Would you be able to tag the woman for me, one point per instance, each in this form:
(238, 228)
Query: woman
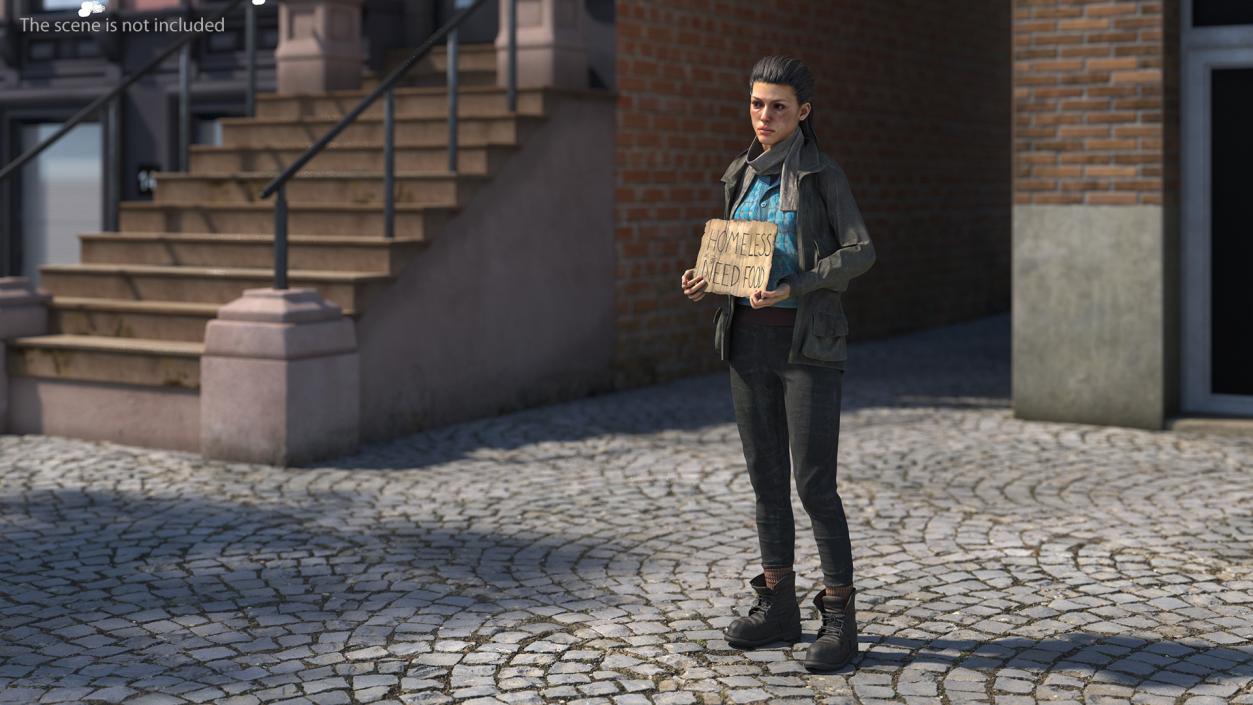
(786, 347)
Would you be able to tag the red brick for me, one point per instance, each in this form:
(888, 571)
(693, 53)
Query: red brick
(1084, 131)
(936, 134)
(1110, 171)
(1111, 117)
(1083, 158)
(1092, 104)
(1056, 198)
(1045, 40)
(1113, 199)
(1111, 145)
(1111, 64)
(1109, 9)
(1090, 185)
(1083, 25)
(1144, 76)
(1085, 51)
(1057, 171)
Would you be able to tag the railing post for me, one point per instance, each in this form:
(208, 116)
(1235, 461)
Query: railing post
(280, 237)
(454, 45)
(112, 158)
(250, 47)
(184, 105)
(512, 8)
(389, 164)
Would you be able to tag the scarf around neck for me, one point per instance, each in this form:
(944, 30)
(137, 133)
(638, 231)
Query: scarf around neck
(781, 159)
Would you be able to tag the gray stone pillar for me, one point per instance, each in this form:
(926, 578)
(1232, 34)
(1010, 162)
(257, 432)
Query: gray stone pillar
(551, 49)
(279, 380)
(1090, 314)
(23, 312)
(319, 46)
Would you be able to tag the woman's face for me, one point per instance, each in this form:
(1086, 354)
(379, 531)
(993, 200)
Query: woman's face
(774, 112)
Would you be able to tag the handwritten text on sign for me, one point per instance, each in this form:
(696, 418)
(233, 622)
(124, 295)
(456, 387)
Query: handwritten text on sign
(735, 255)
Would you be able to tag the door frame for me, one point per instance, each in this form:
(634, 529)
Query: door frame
(1203, 49)
(12, 120)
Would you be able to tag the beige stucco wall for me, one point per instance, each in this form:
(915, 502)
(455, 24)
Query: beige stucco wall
(512, 304)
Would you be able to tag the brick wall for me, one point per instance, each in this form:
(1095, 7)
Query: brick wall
(1095, 101)
(913, 100)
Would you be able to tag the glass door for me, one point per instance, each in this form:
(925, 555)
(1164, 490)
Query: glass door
(1217, 208)
(61, 194)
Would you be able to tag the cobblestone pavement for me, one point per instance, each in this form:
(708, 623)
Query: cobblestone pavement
(591, 552)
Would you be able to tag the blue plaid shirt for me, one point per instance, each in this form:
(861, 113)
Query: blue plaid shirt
(762, 203)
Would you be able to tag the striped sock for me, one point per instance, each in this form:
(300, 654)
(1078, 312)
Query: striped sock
(841, 592)
(774, 575)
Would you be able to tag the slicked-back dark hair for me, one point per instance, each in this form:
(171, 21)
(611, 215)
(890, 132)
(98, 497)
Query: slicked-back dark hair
(788, 71)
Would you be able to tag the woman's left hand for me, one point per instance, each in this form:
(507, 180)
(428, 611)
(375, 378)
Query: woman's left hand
(762, 298)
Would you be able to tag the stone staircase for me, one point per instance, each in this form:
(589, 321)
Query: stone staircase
(131, 316)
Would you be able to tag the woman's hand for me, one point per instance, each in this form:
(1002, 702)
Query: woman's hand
(762, 298)
(693, 286)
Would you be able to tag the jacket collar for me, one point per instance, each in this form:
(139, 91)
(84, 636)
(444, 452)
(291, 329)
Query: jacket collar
(810, 161)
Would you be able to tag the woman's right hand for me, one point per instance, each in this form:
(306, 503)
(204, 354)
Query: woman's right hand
(693, 286)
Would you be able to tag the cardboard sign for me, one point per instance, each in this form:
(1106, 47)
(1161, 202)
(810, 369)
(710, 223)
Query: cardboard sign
(735, 255)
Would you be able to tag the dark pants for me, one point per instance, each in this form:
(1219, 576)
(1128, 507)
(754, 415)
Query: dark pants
(777, 405)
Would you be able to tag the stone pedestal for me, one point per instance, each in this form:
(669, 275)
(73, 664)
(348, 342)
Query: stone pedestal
(551, 50)
(23, 312)
(319, 46)
(279, 380)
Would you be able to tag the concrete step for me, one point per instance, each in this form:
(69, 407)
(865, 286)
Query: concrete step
(413, 222)
(476, 66)
(248, 251)
(465, 79)
(213, 285)
(362, 188)
(470, 57)
(480, 159)
(120, 318)
(426, 131)
(90, 358)
(428, 102)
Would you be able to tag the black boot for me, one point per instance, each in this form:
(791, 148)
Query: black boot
(837, 637)
(775, 617)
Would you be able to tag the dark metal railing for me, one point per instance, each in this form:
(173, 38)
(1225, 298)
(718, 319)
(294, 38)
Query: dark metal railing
(111, 101)
(386, 90)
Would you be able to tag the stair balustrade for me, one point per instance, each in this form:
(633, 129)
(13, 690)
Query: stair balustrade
(386, 90)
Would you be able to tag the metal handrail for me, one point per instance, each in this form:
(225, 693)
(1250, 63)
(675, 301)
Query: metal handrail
(387, 86)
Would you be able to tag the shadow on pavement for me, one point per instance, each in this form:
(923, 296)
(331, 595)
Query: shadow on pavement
(962, 365)
(95, 582)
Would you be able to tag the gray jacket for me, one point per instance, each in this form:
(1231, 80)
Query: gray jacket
(832, 247)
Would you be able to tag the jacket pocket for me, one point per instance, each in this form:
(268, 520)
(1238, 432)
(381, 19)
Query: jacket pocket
(827, 338)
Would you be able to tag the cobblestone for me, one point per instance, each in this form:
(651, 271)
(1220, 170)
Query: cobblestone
(591, 552)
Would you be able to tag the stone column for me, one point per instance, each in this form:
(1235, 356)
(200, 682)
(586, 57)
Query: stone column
(279, 380)
(1095, 214)
(551, 50)
(23, 312)
(319, 46)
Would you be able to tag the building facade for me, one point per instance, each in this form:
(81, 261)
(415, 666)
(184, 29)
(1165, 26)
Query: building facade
(1076, 162)
(1130, 121)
